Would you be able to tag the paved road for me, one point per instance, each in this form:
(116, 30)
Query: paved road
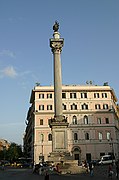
(100, 173)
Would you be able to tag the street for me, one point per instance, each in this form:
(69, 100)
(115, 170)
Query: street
(100, 172)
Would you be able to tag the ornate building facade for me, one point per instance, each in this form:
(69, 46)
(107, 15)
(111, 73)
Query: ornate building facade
(93, 116)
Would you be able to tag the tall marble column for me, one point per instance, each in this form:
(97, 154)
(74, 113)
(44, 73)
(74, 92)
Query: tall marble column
(56, 45)
(58, 124)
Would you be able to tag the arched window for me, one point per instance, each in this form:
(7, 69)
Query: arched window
(99, 120)
(74, 120)
(49, 137)
(87, 136)
(85, 119)
(100, 135)
(108, 135)
(75, 136)
(84, 106)
(42, 137)
(73, 107)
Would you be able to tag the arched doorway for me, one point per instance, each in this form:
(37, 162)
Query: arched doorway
(76, 152)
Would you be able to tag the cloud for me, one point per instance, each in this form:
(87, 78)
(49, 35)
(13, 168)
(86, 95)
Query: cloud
(9, 72)
(25, 77)
(8, 53)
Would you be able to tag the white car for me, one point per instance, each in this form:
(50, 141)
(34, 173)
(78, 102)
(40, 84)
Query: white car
(107, 159)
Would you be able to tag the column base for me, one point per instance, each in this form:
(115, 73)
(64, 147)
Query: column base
(58, 157)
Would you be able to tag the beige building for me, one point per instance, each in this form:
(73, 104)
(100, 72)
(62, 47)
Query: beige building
(4, 144)
(93, 116)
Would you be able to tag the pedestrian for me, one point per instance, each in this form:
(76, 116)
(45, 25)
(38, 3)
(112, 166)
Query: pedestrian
(91, 168)
(110, 172)
(3, 166)
(57, 167)
(86, 166)
(40, 170)
(117, 169)
(46, 176)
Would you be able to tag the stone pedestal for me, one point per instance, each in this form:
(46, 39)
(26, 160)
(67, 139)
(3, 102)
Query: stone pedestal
(59, 140)
(59, 136)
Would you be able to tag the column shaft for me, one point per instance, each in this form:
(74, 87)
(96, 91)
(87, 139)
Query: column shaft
(57, 85)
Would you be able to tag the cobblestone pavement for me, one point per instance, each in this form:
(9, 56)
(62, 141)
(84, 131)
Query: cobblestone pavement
(100, 173)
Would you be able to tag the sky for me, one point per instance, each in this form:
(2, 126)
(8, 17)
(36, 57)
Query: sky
(90, 29)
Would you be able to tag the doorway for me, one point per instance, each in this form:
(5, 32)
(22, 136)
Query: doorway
(88, 157)
(76, 156)
(76, 153)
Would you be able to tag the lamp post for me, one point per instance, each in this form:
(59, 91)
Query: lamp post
(112, 149)
(42, 139)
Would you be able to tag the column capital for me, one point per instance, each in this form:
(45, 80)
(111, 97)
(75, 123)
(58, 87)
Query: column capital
(56, 44)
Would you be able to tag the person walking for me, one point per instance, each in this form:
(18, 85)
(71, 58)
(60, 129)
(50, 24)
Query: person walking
(46, 176)
(91, 168)
(117, 169)
(110, 172)
(86, 166)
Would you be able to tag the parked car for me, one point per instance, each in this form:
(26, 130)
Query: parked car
(5, 163)
(107, 159)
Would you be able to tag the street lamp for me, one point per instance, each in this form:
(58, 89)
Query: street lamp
(42, 139)
(112, 150)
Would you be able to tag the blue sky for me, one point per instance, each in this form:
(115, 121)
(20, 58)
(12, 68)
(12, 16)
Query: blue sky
(90, 29)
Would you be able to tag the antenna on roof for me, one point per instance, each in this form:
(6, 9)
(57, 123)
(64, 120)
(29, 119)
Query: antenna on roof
(37, 84)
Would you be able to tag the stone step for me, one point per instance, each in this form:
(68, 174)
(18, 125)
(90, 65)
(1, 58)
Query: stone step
(71, 169)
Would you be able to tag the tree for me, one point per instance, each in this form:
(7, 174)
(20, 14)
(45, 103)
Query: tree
(1, 154)
(14, 152)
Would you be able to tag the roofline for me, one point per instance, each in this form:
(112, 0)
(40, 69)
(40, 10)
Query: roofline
(75, 88)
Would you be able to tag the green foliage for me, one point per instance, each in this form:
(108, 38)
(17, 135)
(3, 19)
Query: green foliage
(12, 153)
(1, 155)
